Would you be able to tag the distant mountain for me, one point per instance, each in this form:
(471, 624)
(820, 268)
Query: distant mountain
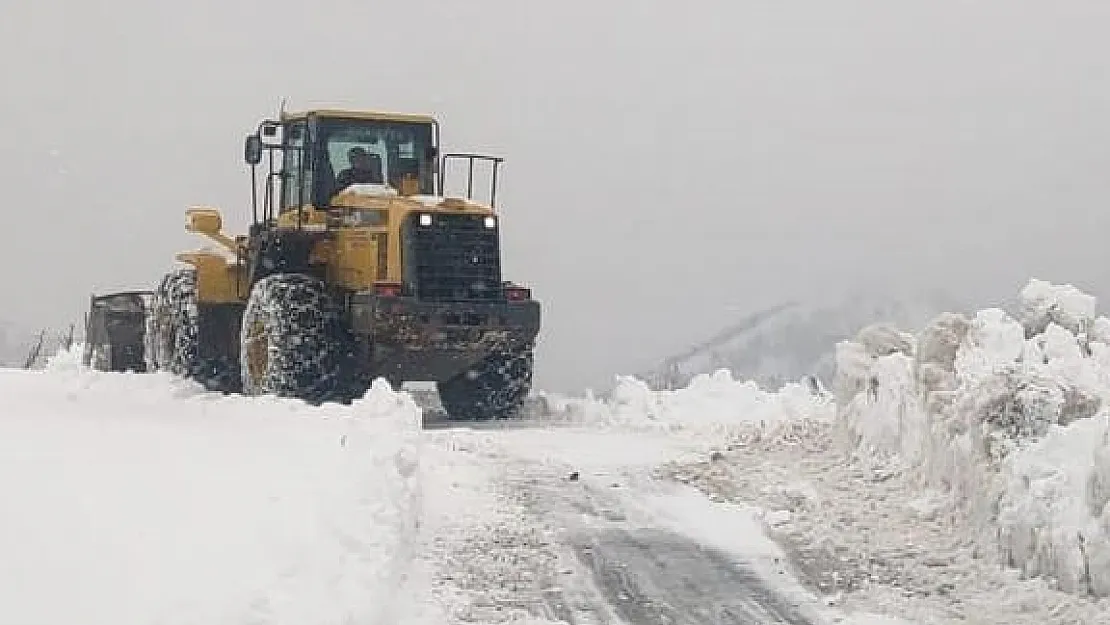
(787, 342)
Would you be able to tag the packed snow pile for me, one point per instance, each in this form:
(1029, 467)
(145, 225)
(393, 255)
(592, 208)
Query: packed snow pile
(1009, 416)
(136, 499)
(712, 408)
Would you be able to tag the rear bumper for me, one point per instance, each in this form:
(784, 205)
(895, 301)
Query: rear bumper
(407, 339)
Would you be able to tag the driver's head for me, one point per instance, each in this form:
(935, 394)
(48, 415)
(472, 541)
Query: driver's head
(359, 158)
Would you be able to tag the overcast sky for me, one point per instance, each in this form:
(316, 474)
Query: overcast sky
(670, 165)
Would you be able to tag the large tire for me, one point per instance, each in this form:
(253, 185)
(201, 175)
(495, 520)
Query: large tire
(170, 342)
(494, 389)
(293, 341)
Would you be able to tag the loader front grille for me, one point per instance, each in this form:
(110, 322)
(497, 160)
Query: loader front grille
(451, 257)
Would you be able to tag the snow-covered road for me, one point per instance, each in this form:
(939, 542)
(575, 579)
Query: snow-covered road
(915, 494)
(576, 529)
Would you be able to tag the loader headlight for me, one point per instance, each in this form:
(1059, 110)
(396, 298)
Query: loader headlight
(425, 220)
(491, 222)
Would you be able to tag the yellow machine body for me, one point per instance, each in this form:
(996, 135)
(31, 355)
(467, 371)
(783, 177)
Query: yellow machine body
(358, 266)
(356, 256)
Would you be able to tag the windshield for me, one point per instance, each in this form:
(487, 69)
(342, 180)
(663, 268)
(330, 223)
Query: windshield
(376, 152)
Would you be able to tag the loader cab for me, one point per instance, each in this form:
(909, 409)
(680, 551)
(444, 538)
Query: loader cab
(309, 157)
(320, 154)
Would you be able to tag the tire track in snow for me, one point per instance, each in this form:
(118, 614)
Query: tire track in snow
(659, 578)
(646, 574)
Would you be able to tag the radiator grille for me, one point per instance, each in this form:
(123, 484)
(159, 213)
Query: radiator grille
(454, 258)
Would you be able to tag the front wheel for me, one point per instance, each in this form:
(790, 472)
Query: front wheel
(292, 340)
(494, 389)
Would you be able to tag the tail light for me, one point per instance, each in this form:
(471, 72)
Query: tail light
(387, 289)
(515, 293)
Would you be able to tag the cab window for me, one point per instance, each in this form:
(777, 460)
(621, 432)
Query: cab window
(377, 152)
(296, 182)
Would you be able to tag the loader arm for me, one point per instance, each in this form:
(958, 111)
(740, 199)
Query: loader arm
(225, 241)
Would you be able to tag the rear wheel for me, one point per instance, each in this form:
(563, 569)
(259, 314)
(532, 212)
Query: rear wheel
(293, 342)
(170, 342)
(494, 389)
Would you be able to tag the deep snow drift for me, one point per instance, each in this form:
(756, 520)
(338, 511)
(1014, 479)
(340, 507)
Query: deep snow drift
(139, 499)
(1007, 416)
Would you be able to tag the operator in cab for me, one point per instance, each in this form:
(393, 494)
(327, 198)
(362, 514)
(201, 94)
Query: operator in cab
(365, 168)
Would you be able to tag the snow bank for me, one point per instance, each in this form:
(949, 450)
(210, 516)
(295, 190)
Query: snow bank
(142, 499)
(710, 407)
(1007, 416)
(1064, 305)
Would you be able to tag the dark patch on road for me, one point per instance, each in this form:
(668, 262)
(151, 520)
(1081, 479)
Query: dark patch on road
(654, 577)
(438, 420)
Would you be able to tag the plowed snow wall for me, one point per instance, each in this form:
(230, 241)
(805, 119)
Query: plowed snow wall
(144, 499)
(1006, 415)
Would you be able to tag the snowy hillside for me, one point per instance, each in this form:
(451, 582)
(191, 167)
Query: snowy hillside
(787, 342)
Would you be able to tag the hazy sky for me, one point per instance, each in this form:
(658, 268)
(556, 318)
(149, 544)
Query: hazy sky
(670, 166)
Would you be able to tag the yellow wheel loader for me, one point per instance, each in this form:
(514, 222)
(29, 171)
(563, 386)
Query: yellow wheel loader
(356, 266)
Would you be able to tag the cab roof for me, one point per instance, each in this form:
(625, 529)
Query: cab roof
(360, 114)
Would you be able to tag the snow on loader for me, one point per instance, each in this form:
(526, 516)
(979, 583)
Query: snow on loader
(357, 266)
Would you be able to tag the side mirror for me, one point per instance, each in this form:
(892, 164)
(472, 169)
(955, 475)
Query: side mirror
(252, 150)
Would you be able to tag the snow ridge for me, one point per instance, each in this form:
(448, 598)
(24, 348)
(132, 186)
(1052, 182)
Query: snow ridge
(155, 501)
(711, 408)
(1007, 417)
